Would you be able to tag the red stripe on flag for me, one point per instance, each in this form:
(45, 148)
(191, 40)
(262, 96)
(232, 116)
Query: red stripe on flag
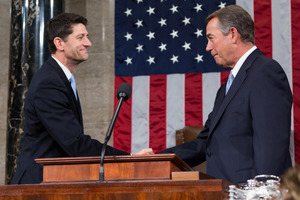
(157, 112)
(263, 26)
(122, 130)
(224, 76)
(295, 7)
(193, 99)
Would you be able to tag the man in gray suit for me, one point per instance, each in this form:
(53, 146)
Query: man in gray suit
(248, 131)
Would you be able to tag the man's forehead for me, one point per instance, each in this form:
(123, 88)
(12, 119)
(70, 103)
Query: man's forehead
(212, 27)
(213, 23)
(77, 28)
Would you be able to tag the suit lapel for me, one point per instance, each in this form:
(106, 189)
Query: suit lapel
(238, 81)
(76, 104)
(79, 110)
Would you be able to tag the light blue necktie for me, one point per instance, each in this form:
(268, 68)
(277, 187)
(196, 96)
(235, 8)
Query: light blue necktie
(73, 85)
(229, 82)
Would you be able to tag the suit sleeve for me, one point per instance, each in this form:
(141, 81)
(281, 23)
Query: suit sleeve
(271, 102)
(193, 152)
(53, 107)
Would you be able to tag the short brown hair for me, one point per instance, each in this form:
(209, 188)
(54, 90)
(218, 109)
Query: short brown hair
(291, 182)
(61, 26)
(235, 16)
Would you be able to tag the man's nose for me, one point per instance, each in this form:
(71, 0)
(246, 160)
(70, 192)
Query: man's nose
(87, 42)
(208, 47)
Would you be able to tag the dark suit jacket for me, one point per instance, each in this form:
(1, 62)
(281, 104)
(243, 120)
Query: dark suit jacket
(53, 125)
(248, 131)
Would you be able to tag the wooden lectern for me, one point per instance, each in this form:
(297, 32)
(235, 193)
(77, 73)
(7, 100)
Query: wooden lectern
(161, 176)
(116, 168)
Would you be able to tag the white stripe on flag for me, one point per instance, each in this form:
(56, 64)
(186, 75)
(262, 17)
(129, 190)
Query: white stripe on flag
(247, 5)
(282, 44)
(281, 35)
(175, 106)
(140, 113)
(210, 84)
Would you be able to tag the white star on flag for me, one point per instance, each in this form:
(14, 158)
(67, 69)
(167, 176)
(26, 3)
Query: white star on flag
(174, 34)
(198, 7)
(174, 59)
(151, 35)
(199, 33)
(128, 36)
(162, 22)
(174, 9)
(128, 60)
(151, 11)
(139, 47)
(128, 12)
(222, 5)
(199, 58)
(139, 23)
(186, 21)
(163, 47)
(186, 46)
(151, 60)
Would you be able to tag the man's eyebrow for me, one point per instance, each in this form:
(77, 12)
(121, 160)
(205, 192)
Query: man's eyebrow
(209, 35)
(80, 34)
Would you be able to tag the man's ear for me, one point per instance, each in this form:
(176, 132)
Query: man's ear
(59, 43)
(234, 34)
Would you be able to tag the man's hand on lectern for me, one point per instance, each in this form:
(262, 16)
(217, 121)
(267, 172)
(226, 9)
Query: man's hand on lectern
(146, 151)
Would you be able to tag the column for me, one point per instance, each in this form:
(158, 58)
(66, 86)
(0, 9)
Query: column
(28, 51)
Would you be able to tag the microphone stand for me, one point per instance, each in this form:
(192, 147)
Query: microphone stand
(107, 137)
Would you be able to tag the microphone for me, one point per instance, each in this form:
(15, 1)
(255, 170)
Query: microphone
(123, 94)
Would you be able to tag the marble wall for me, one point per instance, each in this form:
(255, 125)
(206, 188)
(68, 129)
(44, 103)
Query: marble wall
(4, 66)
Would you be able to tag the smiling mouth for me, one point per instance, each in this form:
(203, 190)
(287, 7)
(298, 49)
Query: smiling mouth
(84, 50)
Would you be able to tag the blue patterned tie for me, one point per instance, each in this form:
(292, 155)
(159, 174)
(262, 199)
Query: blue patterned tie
(73, 85)
(229, 82)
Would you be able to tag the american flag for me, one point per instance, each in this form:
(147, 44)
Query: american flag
(160, 51)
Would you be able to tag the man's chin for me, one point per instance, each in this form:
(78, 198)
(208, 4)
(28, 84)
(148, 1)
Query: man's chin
(219, 63)
(84, 58)
(81, 60)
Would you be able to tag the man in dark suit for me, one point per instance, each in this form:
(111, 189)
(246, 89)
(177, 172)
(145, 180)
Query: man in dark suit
(53, 119)
(248, 131)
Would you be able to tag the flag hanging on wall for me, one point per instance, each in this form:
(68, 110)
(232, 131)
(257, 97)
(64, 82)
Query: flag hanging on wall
(160, 52)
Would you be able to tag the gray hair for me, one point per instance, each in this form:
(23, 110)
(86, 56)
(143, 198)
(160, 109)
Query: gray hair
(235, 16)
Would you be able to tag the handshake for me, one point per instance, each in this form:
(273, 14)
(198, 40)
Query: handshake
(146, 151)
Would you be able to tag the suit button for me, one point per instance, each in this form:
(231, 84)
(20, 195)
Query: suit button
(208, 154)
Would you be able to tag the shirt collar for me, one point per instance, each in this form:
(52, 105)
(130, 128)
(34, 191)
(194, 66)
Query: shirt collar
(241, 61)
(64, 68)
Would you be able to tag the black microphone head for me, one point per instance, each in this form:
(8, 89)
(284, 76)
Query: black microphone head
(124, 91)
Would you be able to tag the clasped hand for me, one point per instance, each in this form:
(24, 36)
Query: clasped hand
(145, 151)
